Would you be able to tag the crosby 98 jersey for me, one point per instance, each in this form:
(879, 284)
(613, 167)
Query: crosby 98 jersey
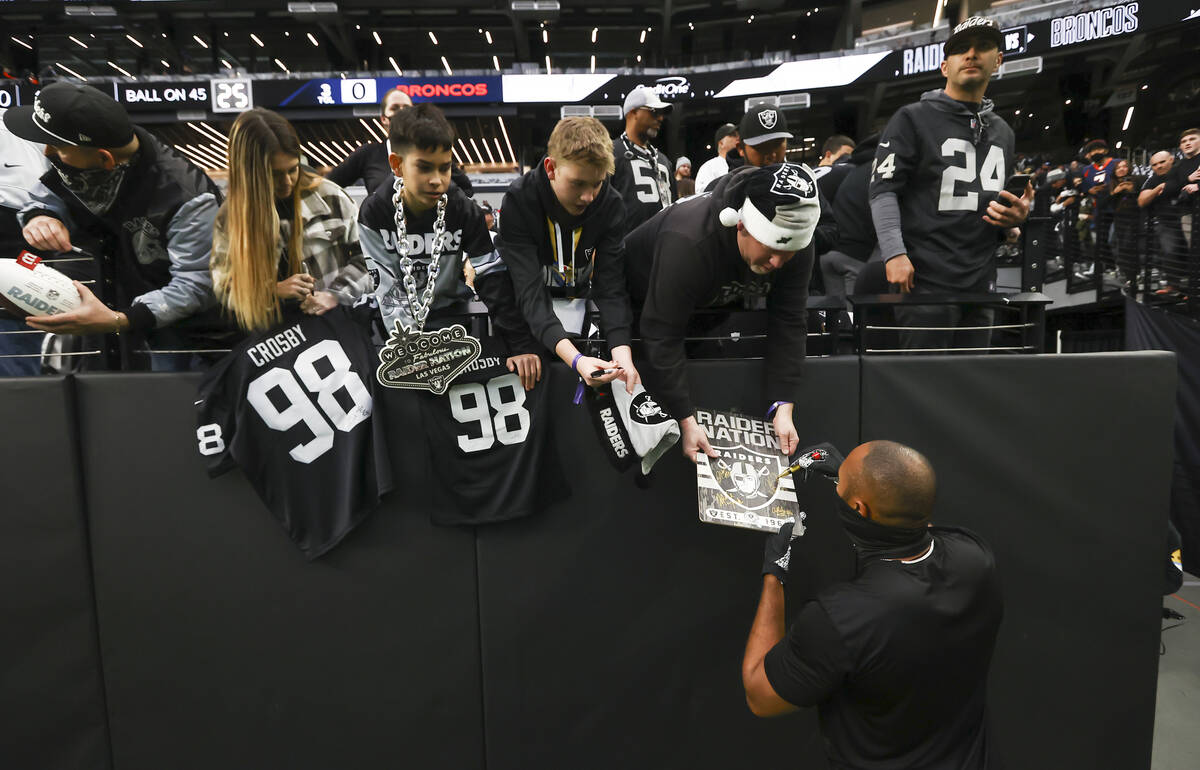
(490, 445)
(295, 408)
(945, 163)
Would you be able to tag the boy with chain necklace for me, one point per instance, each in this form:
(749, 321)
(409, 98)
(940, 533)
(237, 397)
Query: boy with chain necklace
(427, 244)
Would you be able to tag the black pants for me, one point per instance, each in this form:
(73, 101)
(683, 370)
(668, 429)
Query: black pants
(939, 328)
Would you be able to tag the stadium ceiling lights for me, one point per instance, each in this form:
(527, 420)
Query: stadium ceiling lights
(69, 71)
(21, 42)
(121, 69)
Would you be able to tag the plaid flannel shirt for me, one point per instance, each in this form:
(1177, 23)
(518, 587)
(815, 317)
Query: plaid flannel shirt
(331, 251)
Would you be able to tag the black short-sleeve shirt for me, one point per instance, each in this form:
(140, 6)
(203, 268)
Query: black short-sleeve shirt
(896, 660)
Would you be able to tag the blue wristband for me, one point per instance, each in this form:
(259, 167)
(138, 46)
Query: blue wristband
(774, 406)
(575, 362)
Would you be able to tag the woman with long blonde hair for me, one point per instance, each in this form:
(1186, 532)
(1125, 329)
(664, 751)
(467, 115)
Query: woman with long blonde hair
(284, 237)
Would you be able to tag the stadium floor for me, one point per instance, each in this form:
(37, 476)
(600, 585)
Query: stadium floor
(1176, 740)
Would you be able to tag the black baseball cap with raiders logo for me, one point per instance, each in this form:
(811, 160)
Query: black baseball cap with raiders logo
(70, 114)
(974, 28)
(763, 124)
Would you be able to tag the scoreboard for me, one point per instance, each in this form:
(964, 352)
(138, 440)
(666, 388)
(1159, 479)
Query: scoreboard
(332, 92)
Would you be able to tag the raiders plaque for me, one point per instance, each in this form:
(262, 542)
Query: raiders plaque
(742, 488)
(420, 360)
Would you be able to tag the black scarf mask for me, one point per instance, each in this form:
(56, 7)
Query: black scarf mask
(873, 540)
(95, 188)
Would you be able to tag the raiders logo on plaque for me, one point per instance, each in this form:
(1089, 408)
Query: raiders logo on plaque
(420, 360)
(742, 488)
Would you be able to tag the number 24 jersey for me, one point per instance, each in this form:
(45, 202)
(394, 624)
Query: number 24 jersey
(945, 162)
(295, 408)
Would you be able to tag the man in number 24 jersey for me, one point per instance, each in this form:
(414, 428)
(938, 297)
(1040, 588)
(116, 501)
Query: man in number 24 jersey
(937, 191)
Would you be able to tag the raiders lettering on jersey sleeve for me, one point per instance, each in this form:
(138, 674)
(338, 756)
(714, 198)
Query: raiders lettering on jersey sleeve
(490, 445)
(295, 408)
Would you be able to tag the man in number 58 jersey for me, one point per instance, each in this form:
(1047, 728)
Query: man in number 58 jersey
(937, 190)
(294, 407)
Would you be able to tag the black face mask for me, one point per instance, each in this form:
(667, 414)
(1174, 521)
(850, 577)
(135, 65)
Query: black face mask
(95, 188)
(874, 540)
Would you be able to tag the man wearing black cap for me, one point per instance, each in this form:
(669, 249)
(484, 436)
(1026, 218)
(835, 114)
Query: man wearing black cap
(751, 237)
(937, 193)
(764, 140)
(896, 659)
(643, 175)
(726, 140)
(151, 208)
(763, 135)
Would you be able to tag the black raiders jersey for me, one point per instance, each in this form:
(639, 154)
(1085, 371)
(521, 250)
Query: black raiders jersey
(466, 238)
(945, 162)
(643, 179)
(490, 445)
(295, 408)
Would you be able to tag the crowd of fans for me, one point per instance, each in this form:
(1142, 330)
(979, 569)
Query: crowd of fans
(1129, 227)
(173, 249)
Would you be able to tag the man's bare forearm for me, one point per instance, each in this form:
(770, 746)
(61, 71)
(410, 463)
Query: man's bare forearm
(768, 630)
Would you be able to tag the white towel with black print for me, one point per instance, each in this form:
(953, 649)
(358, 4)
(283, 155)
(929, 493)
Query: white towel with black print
(651, 430)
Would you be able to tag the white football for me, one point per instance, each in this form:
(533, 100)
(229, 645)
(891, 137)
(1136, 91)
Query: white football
(38, 291)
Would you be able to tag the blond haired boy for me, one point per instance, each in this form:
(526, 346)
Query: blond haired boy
(561, 230)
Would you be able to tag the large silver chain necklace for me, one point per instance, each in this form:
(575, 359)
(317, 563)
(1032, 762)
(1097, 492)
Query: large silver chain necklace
(418, 304)
(415, 359)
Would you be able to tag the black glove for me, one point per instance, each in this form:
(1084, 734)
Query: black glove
(777, 553)
(822, 458)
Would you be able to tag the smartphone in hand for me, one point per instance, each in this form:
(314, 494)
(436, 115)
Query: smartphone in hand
(1017, 183)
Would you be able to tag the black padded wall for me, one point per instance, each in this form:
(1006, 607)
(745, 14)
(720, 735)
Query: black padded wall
(1063, 464)
(51, 700)
(614, 623)
(226, 649)
(603, 632)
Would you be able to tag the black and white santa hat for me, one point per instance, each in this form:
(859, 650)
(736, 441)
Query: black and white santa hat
(781, 208)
